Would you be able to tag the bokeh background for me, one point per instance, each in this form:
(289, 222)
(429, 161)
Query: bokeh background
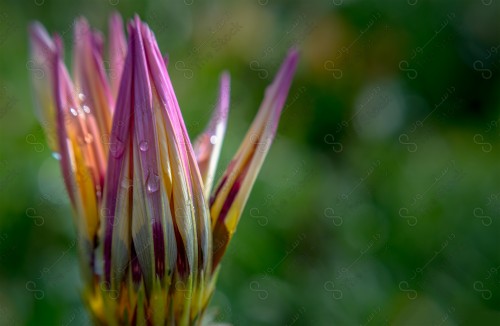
(379, 202)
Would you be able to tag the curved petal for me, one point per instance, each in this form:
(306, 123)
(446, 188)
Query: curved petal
(208, 145)
(190, 209)
(90, 78)
(117, 51)
(228, 201)
(41, 66)
(80, 161)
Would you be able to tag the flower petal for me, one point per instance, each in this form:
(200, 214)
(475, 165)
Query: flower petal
(228, 201)
(208, 145)
(41, 66)
(119, 157)
(117, 51)
(78, 158)
(190, 209)
(147, 180)
(89, 75)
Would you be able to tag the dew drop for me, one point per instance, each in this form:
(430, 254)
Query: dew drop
(86, 109)
(88, 138)
(56, 155)
(213, 139)
(81, 96)
(153, 182)
(144, 146)
(126, 183)
(116, 148)
(73, 111)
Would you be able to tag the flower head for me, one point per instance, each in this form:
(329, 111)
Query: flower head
(150, 230)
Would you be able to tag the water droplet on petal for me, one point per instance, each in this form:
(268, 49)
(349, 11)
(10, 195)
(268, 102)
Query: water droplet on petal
(86, 109)
(88, 138)
(81, 96)
(143, 146)
(213, 139)
(126, 183)
(153, 182)
(116, 148)
(56, 155)
(73, 111)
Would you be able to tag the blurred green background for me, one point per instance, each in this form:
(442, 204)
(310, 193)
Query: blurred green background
(379, 202)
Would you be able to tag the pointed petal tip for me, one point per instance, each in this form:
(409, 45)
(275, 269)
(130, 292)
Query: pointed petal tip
(224, 93)
(225, 87)
(36, 28)
(39, 37)
(293, 53)
(281, 84)
(116, 17)
(115, 24)
(116, 27)
(225, 76)
(135, 25)
(81, 23)
(287, 68)
(137, 20)
(290, 63)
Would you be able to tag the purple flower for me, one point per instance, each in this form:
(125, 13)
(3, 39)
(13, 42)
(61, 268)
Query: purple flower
(151, 231)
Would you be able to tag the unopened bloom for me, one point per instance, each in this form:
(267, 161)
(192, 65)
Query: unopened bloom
(151, 232)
